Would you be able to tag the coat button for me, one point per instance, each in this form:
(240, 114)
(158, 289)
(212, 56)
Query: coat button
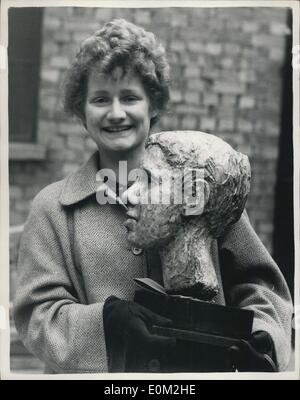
(154, 365)
(136, 251)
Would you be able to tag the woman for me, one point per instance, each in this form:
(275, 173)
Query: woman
(74, 307)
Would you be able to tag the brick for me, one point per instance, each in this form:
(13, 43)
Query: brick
(244, 126)
(279, 28)
(196, 47)
(190, 109)
(76, 143)
(178, 20)
(176, 96)
(227, 62)
(211, 74)
(49, 49)
(250, 26)
(231, 48)
(247, 76)
(196, 84)
(62, 37)
(229, 87)
(22, 207)
(70, 155)
(177, 46)
(143, 17)
(16, 217)
(51, 23)
(65, 128)
(208, 124)
(226, 111)
(270, 153)
(104, 14)
(192, 72)
(48, 104)
(192, 98)
(213, 49)
(210, 99)
(170, 122)
(15, 192)
(228, 100)
(69, 168)
(201, 60)
(271, 129)
(265, 40)
(50, 75)
(277, 54)
(47, 127)
(190, 122)
(246, 102)
(226, 125)
(79, 37)
(244, 148)
(31, 192)
(60, 62)
(56, 143)
(82, 25)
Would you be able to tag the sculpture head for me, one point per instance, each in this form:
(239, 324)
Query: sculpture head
(194, 186)
(184, 163)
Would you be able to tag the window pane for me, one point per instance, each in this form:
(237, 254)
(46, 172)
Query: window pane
(24, 64)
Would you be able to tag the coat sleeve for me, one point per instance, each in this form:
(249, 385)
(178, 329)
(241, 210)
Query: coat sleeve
(50, 318)
(252, 280)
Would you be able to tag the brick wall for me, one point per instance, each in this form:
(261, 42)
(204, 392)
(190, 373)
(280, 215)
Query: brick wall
(225, 66)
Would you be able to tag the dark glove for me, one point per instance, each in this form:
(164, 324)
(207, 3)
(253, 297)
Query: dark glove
(255, 355)
(125, 320)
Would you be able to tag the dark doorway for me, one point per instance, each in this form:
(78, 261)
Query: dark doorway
(284, 215)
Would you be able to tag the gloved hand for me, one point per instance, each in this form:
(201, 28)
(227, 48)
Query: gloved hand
(125, 320)
(255, 355)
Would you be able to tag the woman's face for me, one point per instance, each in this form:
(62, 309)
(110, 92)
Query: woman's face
(117, 111)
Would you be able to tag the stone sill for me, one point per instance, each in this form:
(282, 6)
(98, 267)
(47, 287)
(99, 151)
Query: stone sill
(27, 152)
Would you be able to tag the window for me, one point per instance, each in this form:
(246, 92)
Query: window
(24, 48)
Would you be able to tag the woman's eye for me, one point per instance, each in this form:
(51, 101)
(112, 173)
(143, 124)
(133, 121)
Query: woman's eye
(101, 100)
(130, 99)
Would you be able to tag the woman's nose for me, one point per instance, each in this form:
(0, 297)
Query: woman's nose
(132, 195)
(116, 112)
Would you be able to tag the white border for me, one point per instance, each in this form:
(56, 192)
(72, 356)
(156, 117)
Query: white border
(4, 185)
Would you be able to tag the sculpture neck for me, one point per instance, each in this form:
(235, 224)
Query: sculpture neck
(187, 263)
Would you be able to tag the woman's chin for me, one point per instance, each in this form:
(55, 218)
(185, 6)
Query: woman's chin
(122, 144)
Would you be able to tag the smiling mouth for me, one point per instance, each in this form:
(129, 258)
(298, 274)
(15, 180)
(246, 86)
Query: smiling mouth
(119, 128)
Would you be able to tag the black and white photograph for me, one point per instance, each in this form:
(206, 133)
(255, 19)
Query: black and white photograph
(149, 189)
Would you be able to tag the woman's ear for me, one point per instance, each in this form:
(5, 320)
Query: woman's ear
(196, 198)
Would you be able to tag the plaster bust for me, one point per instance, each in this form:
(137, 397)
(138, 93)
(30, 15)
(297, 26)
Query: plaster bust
(183, 231)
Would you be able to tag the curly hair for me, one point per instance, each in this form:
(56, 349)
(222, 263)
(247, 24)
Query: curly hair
(119, 44)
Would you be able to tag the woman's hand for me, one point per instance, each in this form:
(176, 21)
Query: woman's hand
(255, 355)
(128, 320)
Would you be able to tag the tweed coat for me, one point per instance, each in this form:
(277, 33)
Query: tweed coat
(74, 254)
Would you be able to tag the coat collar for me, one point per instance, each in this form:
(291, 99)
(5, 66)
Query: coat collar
(82, 183)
